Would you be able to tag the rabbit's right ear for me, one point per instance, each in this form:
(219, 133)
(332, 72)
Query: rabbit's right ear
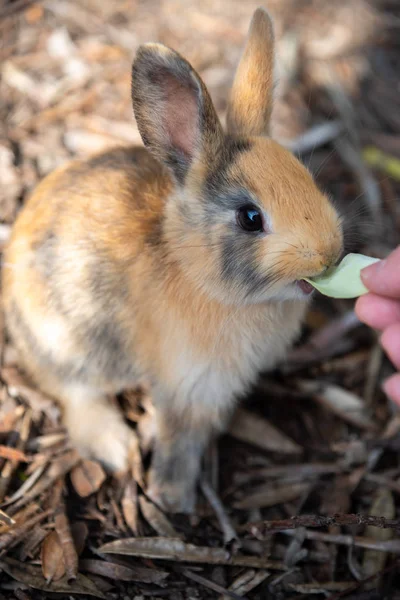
(250, 103)
(173, 110)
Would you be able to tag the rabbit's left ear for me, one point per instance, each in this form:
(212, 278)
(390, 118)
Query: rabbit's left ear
(250, 104)
(173, 110)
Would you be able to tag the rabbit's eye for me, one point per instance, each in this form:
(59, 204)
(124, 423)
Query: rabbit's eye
(249, 218)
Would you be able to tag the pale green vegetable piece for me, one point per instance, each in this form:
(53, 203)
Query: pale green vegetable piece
(344, 281)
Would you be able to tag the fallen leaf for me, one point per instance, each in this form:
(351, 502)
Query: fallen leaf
(87, 478)
(122, 573)
(32, 577)
(175, 549)
(53, 566)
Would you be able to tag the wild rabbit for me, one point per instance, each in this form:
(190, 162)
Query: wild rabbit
(181, 262)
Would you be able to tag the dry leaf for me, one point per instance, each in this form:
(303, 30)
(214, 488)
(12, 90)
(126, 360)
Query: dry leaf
(253, 429)
(176, 549)
(122, 572)
(52, 556)
(32, 577)
(156, 518)
(87, 477)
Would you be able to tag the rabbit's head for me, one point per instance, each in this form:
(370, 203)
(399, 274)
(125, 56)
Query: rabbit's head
(245, 221)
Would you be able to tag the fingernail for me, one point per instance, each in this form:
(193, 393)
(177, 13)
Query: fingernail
(368, 272)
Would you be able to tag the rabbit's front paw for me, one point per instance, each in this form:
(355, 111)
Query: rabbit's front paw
(98, 430)
(177, 496)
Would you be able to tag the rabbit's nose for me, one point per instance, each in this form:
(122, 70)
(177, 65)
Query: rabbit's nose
(331, 257)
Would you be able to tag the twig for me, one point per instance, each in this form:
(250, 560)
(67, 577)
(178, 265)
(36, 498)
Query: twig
(230, 535)
(263, 527)
(20, 530)
(210, 584)
(348, 540)
(10, 466)
(59, 468)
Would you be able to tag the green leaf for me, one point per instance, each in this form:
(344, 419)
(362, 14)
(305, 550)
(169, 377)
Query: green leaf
(344, 281)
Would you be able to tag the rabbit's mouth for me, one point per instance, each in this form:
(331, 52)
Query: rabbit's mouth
(305, 287)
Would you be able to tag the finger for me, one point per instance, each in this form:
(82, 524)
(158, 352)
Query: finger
(392, 388)
(390, 341)
(383, 277)
(377, 311)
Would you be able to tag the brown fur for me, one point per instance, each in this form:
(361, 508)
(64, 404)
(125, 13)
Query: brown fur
(121, 266)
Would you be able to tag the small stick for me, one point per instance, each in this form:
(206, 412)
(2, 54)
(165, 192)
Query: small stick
(392, 546)
(230, 535)
(12, 464)
(20, 530)
(263, 527)
(210, 584)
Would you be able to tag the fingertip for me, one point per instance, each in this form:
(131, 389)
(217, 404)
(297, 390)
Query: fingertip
(391, 388)
(390, 341)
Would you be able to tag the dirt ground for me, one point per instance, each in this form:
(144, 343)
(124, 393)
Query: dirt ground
(301, 498)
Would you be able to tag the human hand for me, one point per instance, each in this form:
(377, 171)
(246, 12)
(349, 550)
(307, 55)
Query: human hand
(380, 309)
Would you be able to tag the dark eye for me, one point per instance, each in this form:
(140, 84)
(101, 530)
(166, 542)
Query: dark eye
(249, 218)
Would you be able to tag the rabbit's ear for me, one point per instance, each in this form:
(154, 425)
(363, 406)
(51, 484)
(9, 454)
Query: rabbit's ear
(250, 104)
(173, 110)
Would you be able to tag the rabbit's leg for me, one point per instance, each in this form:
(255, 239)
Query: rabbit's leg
(176, 463)
(96, 427)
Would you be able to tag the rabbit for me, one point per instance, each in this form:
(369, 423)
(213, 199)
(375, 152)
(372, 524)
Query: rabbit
(181, 261)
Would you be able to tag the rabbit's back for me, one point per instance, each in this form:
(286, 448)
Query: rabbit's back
(66, 270)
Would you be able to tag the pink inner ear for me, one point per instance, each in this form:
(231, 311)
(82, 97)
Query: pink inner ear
(181, 118)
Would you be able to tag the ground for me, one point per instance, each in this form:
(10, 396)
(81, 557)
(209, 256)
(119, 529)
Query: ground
(317, 437)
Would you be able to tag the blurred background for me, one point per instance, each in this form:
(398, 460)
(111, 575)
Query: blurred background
(318, 436)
